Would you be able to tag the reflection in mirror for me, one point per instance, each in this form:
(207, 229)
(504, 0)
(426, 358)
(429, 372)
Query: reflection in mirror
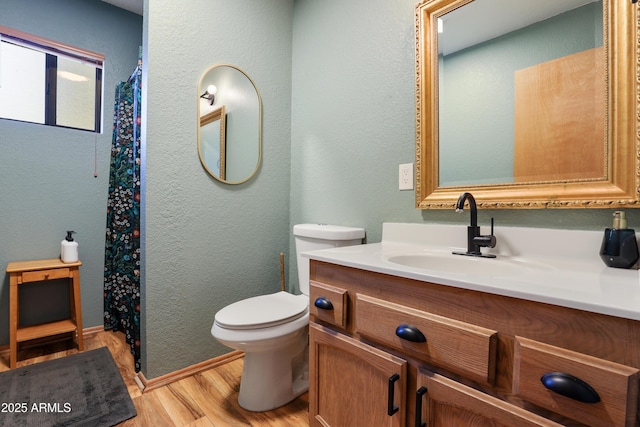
(230, 124)
(517, 95)
(211, 144)
(529, 104)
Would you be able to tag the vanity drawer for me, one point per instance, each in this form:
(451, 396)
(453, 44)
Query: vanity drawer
(328, 303)
(616, 385)
(39, 275)
(457, 346)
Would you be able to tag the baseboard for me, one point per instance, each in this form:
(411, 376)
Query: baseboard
(92, 330)
(154, 383)
(147, 385)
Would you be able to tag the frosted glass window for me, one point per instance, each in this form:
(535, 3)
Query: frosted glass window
(51, 83)
(22, 83)
(76, 94)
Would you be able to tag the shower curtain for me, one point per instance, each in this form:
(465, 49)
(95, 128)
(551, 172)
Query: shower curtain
(122, 248)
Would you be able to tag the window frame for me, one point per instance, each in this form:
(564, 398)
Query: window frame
(52, 49)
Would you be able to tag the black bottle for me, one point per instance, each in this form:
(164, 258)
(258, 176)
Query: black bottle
(619, 246)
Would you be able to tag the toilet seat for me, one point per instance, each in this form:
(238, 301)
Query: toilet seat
(263, 311)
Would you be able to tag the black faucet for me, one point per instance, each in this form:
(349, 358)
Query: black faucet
(474, 239)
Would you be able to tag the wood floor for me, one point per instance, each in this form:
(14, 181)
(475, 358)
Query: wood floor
(206, 399)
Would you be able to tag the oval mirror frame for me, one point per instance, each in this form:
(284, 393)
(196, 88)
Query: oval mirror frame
(230, 108)
(621, 186)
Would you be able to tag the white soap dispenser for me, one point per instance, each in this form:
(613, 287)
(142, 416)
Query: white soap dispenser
(69, 248)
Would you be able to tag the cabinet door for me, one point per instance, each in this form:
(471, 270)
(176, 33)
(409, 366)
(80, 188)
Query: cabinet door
(352, 384)
(441, 401)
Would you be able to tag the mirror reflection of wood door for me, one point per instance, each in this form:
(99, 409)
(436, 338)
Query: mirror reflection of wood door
(559, 119)
(212, 142)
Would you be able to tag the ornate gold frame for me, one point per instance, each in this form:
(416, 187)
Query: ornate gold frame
(621, 187)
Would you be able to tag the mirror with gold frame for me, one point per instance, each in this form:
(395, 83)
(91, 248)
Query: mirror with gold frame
(612, 181)
(229, 124)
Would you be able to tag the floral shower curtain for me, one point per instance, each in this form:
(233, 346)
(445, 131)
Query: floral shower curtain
(122, 249)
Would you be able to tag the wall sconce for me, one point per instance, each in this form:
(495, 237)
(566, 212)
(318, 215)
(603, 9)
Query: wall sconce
(210, 94)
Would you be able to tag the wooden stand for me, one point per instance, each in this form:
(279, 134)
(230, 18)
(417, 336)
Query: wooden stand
(36, 271)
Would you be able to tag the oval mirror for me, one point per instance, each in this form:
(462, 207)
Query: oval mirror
(229, 124)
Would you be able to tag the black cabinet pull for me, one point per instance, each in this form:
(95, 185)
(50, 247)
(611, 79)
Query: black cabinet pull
(391, 408)
(323, 303)
(570, 386)
(410, 333)
(421, 392)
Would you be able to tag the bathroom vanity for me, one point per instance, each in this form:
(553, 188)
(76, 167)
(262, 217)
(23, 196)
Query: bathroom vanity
(403, 333)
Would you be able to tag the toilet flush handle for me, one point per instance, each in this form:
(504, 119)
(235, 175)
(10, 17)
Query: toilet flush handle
(323, 303)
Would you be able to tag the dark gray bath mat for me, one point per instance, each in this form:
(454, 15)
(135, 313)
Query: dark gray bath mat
(83, 389)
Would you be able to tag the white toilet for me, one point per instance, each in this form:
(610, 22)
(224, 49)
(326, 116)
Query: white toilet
(272, 329)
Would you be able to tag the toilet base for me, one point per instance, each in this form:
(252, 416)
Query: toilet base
(274, 378)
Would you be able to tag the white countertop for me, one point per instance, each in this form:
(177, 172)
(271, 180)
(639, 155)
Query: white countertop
(560, 267)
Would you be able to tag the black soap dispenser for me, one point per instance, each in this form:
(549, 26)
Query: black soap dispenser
(619, 246)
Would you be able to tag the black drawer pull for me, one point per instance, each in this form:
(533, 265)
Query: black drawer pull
(323, 303)
(391, 408)
(570, 386)
(421, 392)
(410, 333)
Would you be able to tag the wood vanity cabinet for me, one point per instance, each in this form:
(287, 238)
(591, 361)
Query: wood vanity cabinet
(390, 351)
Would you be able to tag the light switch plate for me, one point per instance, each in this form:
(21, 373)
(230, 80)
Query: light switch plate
(405, 177)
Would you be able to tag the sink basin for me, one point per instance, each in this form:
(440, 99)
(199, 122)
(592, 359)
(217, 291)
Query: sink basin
(466, 264)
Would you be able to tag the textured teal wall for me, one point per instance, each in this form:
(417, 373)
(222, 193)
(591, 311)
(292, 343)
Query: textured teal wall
(353, 112)
(353, 123)
(208, 244)
(47, 173)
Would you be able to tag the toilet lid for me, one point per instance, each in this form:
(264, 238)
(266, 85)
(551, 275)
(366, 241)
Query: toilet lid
(262, 311)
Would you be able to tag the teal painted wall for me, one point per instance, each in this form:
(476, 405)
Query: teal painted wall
(47, 173)
(353, 123)
(353, 113)
(208, 244)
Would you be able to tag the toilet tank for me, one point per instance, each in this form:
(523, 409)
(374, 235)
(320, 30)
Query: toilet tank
(310, 237)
